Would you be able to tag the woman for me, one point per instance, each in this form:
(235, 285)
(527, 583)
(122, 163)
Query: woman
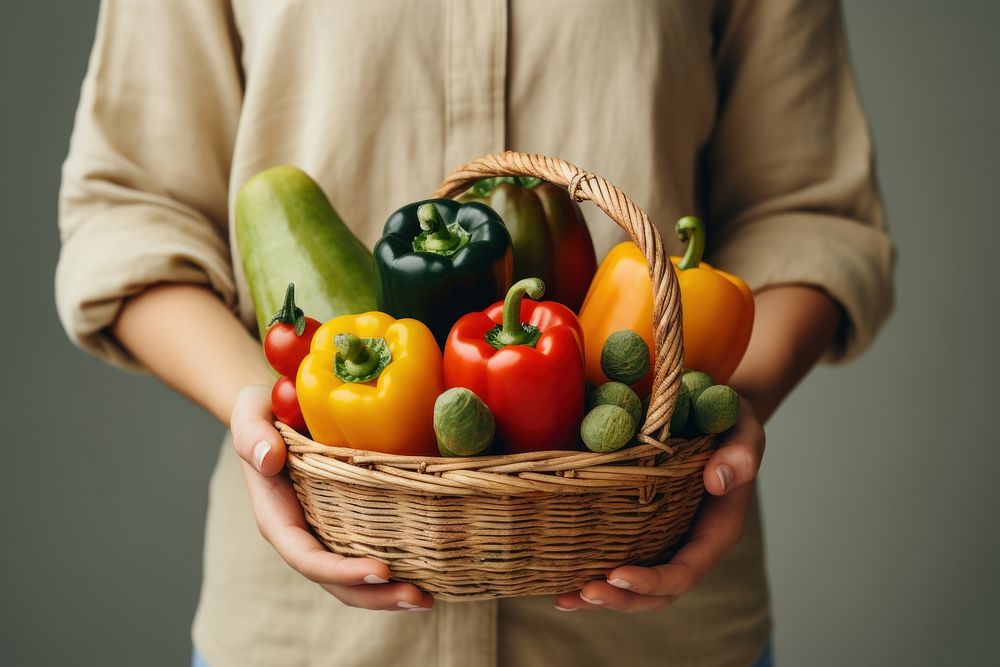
(742, 111)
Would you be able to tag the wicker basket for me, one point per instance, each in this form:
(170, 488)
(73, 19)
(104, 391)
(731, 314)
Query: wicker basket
(526, 524)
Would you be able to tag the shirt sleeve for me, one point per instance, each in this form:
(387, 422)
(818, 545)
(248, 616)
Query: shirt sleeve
(791, 190)
(144, 188)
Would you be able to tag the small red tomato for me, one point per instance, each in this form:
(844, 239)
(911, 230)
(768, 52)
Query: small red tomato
(289, 335)
(286, 349)
(285, 404)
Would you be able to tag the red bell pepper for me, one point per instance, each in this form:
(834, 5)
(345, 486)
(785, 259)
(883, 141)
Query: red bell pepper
(524, 359)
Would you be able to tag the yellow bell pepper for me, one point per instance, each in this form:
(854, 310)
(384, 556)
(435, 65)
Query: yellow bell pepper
(370, 382)
(718, 308)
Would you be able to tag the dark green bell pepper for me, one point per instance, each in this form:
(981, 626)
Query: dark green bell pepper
(438, 260)
(550, 236)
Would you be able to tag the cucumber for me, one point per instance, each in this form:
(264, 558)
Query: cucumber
(287, 232)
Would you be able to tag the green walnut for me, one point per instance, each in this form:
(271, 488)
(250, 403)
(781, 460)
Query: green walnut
(616, 393)
(607, 428)
(696, 382)
(716, 409)
(625, 357)
(682, 408)
(463, 424)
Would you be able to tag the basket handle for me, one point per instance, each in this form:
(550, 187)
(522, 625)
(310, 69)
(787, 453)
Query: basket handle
(582, 185)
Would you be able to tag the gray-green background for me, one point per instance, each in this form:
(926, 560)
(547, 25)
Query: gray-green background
(881, 507)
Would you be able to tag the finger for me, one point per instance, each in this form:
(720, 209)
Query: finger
(572, 601)
(359, 582)
(254, 436)
(602, 595)
(383, 597)
(737, 459)
(281, 522)
(717, 530)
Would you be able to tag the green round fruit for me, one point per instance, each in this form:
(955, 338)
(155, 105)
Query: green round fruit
(625, 357)
(463, 424)
(682, 409)
(616, 393)
(716, 409)
(696, 382)
(607, 428)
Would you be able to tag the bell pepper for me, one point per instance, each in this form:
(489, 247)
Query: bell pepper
(620, 297)
(370, 382)
(550, 236)
(718, 308)
(439, 259)
(524, 359)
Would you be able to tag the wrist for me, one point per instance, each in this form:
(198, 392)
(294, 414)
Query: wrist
(793, 327)
(186, 336)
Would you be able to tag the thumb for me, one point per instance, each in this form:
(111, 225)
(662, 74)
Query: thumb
(738, 457)
(254, 436)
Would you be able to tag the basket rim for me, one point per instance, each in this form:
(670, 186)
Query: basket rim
(680, 451)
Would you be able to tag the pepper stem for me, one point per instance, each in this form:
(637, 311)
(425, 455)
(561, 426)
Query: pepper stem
(436, 237)
(513, 331)
(290, 313)
(690, 230)
(358, 358)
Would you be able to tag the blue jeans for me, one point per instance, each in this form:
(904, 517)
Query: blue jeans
(765, 659)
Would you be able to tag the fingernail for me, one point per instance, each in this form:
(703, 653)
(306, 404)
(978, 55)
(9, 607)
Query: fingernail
(407, 605)
(565, 608)
(260, 450)
(589, 601)
(372, 579)
(620, 583)
(725, 476)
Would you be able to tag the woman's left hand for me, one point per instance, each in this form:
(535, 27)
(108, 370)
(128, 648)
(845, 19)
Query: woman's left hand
(718, 528)
(793, 326)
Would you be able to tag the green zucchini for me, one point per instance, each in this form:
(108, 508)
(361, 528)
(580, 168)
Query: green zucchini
(287, 232)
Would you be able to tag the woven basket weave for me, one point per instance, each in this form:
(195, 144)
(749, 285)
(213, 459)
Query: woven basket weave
(525, 524)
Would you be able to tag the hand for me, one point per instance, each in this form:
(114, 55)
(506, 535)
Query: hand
(357, 582)
(718, 528)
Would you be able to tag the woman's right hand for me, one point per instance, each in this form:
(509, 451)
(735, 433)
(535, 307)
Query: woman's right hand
(357, 582)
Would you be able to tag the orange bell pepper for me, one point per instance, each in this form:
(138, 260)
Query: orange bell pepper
(620, 297)
(718, 308)
(370, 382)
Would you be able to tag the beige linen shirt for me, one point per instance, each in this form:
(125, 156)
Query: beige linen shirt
(744, 112)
